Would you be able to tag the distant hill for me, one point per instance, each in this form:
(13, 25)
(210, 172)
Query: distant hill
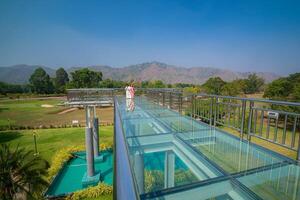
(20, 73)
(140, 72)
(173, 74)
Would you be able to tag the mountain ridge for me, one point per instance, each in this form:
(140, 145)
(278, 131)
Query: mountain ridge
(139, 72)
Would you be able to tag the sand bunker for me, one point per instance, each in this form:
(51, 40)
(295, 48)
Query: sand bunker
(67, 111)
(47, 106)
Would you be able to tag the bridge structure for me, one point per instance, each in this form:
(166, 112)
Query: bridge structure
(173, 145)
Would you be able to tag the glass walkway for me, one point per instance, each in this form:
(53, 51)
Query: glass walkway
(162, 154)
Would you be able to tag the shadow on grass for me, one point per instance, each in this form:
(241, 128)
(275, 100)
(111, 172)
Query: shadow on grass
(9, 135)
(3, 109)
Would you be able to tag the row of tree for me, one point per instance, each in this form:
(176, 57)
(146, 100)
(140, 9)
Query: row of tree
(40, 82)
(252, 84)
(287, 88)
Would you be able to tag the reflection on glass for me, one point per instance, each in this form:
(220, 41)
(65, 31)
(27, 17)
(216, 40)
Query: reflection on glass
(130, 104)
(276, 183)
(231, 154)
(169, 150)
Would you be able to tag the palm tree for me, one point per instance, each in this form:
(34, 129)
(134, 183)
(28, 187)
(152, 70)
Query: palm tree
(22, 175)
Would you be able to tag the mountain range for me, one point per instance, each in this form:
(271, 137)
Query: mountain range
(140, 72)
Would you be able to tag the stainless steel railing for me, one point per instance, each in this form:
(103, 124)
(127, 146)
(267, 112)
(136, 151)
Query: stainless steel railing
(277, 122)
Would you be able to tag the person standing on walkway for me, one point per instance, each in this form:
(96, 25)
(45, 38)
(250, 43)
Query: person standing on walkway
(130, 97)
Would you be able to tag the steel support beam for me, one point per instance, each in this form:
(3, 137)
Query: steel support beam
(139, 171)
(169, 169)
(89, 145)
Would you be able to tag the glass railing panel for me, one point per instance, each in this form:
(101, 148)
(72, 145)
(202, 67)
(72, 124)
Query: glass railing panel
(275, 183)
(228, 152)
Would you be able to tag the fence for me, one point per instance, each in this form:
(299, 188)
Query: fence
(274, 121)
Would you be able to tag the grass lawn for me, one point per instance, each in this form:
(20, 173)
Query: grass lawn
(51, 140)
(34, 112)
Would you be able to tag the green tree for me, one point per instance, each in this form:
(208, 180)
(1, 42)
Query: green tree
(214, 85)
(279, 89)
(286, 89)
(253, 84)
(85, 78)
(21, 173)
(40, 82)
(232, 89)
(158, 84)
(296, 92)
(61, 80)
(145, 84)
(6, 88)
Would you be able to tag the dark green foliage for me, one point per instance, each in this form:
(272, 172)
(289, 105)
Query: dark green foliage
(284, 88)
(40, 82)
(153, 84)
(61, 80)
(233, 88)
(85, 78)
(108, 83)
(214, 85)
(183, 85)
(6, 88)
(253, 84)
(21, 173)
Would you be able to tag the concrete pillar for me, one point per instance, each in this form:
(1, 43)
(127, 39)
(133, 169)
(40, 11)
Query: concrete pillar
(139, 171)
(89, 145)
(96, 137)
(169, 169)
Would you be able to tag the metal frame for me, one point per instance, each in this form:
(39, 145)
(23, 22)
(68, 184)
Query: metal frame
(240, 114)
(245, 115)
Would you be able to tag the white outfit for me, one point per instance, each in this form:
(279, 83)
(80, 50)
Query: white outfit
(129, 93)
(129, 98)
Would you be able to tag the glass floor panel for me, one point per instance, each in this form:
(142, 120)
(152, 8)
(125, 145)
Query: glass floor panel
(221, 190)
(230, 153)
(280, 182)
(173, 156)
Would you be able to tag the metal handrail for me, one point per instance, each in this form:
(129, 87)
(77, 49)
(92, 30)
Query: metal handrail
(239, 113)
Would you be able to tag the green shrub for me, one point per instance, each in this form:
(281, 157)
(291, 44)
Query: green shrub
(91, 192)
(65, 154)
(60, 158)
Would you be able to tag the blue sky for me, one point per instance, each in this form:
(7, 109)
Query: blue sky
(262, 35)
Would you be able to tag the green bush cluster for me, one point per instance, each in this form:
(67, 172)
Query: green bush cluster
(24, 127)
(60, 158)
(92, 192)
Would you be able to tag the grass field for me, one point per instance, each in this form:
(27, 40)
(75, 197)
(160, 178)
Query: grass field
(45, 112)
(51, 140)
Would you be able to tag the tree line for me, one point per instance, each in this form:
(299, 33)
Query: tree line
(287, 88)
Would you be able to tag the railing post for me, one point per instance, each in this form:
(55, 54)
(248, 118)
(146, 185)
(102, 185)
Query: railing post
(193, 106)
(298, 152)
(216, 107)
(163, 100)
(211, 111)
(170, 101)
(250, 120)
(243, 119)
(180, 103)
